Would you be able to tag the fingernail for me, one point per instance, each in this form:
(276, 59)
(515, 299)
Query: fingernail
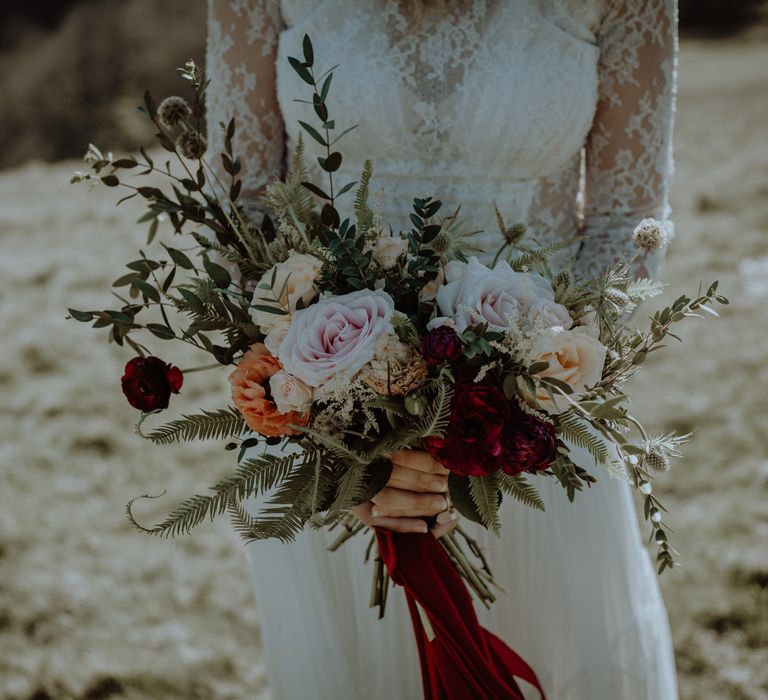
(375, 512)
(439, 485)
(421, 527)
(440, 503)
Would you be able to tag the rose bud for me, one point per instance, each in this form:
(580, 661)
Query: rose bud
(148, 383)
(530, 444)
(441, 344)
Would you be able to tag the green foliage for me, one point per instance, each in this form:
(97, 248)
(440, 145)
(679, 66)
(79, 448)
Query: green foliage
(573, 427)
(520, 489)
(487, 498)
(207, 425)
(362, 210)
(251, 478)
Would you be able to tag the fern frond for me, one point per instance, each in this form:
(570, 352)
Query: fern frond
(252, 477)
(436, 421)
(519, 488)
(641, 289)
(485, 495)
(208, 425)
(573, 427)
(362, 210)
(349, 490)
(338, 449)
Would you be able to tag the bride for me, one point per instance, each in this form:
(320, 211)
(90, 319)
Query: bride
(560, 112)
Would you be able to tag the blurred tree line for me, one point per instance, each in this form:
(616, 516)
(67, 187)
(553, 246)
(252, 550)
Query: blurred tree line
(72, 71)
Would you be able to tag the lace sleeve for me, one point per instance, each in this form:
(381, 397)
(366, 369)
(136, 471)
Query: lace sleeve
(240, 61)
(629, 147)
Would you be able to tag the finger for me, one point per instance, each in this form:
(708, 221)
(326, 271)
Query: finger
(401, 524)
(413, 480)
(391, 500)
(447, 516)
(419, 460)
(443, 529)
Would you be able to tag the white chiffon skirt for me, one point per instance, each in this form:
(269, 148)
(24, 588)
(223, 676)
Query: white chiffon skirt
(581, 604)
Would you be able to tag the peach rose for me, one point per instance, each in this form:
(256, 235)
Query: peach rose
(575, 357)
(248, 382)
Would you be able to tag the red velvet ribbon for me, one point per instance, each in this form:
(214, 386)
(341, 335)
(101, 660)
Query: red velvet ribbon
(460, 660)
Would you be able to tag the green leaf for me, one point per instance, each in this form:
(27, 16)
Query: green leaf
(147, 289)
(110, 180)
(221, 278)
(309, 54)
(326, 86)
(299, 67)
(161, 331)
(192, 300)
(149, 101)
(83, 316)
(179, 258)
(314, 133)
(458, 487)
(314, 188)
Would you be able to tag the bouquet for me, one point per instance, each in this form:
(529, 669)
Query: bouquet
(345, 341)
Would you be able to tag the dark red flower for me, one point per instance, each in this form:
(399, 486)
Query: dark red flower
(473, 443)
(530, 444)
(148, 383)
(441, 344)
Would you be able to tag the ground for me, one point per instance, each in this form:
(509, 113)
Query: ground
(90, 609)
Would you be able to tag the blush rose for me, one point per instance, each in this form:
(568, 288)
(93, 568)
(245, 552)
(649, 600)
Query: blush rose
(337, 335)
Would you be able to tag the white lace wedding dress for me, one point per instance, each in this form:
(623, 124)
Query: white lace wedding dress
(560, 112)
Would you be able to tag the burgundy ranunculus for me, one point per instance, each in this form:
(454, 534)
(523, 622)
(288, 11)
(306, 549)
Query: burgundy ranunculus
(530, 444)
(148, 383)
(473, 442)
(441, 344)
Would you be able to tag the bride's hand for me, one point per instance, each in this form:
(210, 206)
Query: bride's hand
(417, 488)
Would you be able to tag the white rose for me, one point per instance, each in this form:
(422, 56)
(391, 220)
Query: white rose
(576, 357)
(474, 293)
(290, 393)
(294, 281)
(277, 334)
(388, 249)
(337, 335)
(550, 314)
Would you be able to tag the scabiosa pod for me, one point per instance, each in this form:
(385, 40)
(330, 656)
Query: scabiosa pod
(173, 111)
(650, 235)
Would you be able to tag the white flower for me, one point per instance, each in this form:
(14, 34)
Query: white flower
(294, 281)
(575, 357)
(277, 334)
(474, 293)
(290, 393)
(388, 249)
(337, 335)
(650, 235)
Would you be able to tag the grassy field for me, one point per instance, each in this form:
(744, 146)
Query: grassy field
(89, 609)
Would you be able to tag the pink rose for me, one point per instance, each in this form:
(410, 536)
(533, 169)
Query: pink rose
(500, 296)
(335, 335)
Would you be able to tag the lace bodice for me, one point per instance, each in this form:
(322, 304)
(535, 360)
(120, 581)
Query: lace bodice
(559, 111)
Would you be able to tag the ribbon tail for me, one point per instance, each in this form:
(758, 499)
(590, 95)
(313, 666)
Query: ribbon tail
(459, 659)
